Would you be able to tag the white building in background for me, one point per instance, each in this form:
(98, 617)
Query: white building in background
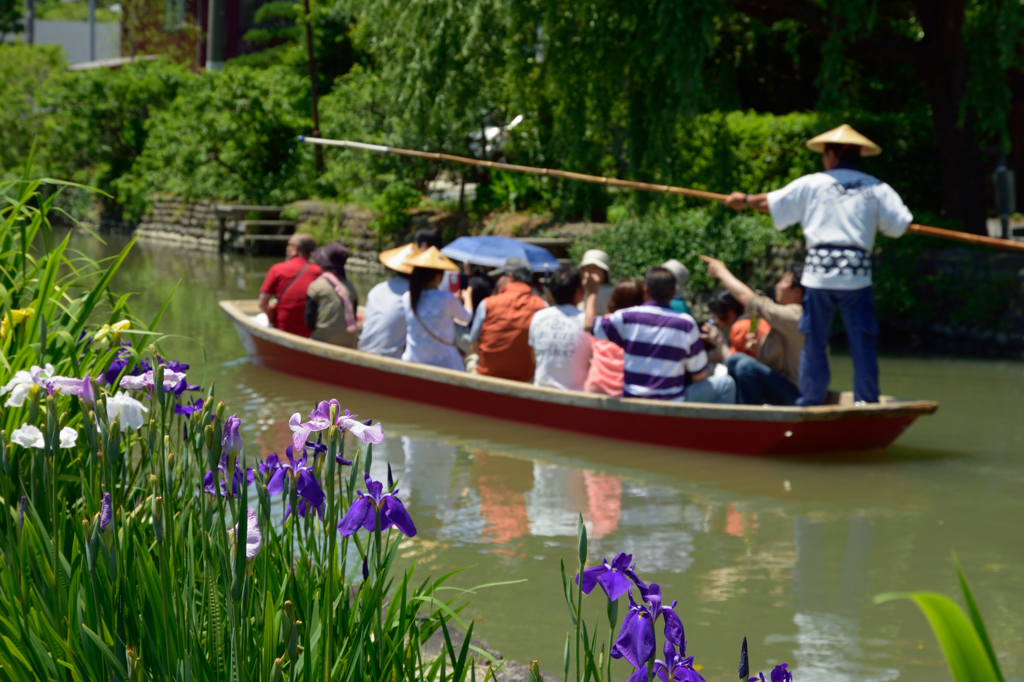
(73, 36)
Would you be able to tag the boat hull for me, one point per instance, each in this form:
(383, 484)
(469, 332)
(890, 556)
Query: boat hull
(745, 430)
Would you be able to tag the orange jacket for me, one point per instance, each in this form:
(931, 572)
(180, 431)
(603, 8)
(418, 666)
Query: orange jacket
(738, 335)
(505, 334)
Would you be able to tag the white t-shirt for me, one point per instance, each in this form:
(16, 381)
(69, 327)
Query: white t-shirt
(384, 320)
(561, 346)
(841, 207)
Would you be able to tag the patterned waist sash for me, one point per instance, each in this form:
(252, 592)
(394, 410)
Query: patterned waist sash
(832, 259)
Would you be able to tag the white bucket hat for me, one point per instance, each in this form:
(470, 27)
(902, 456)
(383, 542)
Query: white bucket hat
(599, 258)
(678, 270)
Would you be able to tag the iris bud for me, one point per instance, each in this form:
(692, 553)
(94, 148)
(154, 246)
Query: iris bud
(92, 541)
(158, 383)
(221, 409)
(158, 518)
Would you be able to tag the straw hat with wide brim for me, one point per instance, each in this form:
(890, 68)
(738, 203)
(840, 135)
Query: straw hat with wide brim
(395, 258)
(844, 134)
(431, 258)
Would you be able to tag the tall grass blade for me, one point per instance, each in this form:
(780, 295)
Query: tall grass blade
(965, 654)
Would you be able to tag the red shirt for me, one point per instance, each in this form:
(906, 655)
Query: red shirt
(291, 307)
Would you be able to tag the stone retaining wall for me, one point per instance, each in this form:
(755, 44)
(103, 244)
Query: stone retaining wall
(189, 224)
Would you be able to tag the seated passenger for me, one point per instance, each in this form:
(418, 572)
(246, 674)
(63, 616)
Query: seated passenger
(596, 264)
(605, 374)
(331, 299)
(283, 294)
(682, 275)
(384, 319)
(501, 324)
(661, 347)
(478, 287)
(561, 349)
(745, 335)
(774, 376)
(428, 236)
(430, 314)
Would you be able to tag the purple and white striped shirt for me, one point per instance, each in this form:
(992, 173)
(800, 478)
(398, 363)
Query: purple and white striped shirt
(660, 346)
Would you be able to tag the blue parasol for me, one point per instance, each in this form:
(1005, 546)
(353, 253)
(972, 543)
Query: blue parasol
(494, 251)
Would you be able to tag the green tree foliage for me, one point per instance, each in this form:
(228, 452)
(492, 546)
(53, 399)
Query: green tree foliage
(609, 81)
(743, 241)
(277, 24)
(228, 135)
(23, 70)
(10, 18)
(98, 120)
(959, 51)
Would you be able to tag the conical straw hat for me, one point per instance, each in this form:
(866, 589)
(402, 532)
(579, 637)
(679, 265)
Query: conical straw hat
(844, 134)
(395, 258)
(431, 258)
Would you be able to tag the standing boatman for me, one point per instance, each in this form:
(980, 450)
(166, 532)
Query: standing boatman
(840, 211)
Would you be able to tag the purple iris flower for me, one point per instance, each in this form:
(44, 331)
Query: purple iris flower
(779, 674)
(236, 479)
(301, 473)
(361, 429)
(188, 410)
(677, 667)
(316, 449)
(173, 365)
(146, 381)
(107, 513)
(183, 386)
(363, 512)
(121, 361)
(319, 419)
(77, 387)
(673, 625)
(342, 461)
(231, 441)
(613, 578)
(636, 637)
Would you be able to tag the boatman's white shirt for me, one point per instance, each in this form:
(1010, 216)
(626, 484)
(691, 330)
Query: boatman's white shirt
(839, 208)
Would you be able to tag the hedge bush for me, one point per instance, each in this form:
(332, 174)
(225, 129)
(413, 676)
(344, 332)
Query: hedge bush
(97, 121)
(228, 135)
(742, 240)
(23, 71)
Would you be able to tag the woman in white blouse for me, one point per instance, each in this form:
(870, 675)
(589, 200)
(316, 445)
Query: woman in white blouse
(430, 314)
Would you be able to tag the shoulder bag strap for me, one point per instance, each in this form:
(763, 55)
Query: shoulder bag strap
(427, 329)
(289, 286)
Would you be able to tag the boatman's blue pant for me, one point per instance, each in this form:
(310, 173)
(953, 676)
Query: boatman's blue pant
(858, 310)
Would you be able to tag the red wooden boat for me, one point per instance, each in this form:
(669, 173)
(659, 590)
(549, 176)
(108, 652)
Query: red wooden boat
(739, 429)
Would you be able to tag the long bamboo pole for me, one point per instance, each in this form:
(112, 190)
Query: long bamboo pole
(925, 230)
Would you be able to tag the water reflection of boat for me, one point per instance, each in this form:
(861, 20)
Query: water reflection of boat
(741, 429)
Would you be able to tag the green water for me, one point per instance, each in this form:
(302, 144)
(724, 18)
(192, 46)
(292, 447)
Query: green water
(785, 551)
